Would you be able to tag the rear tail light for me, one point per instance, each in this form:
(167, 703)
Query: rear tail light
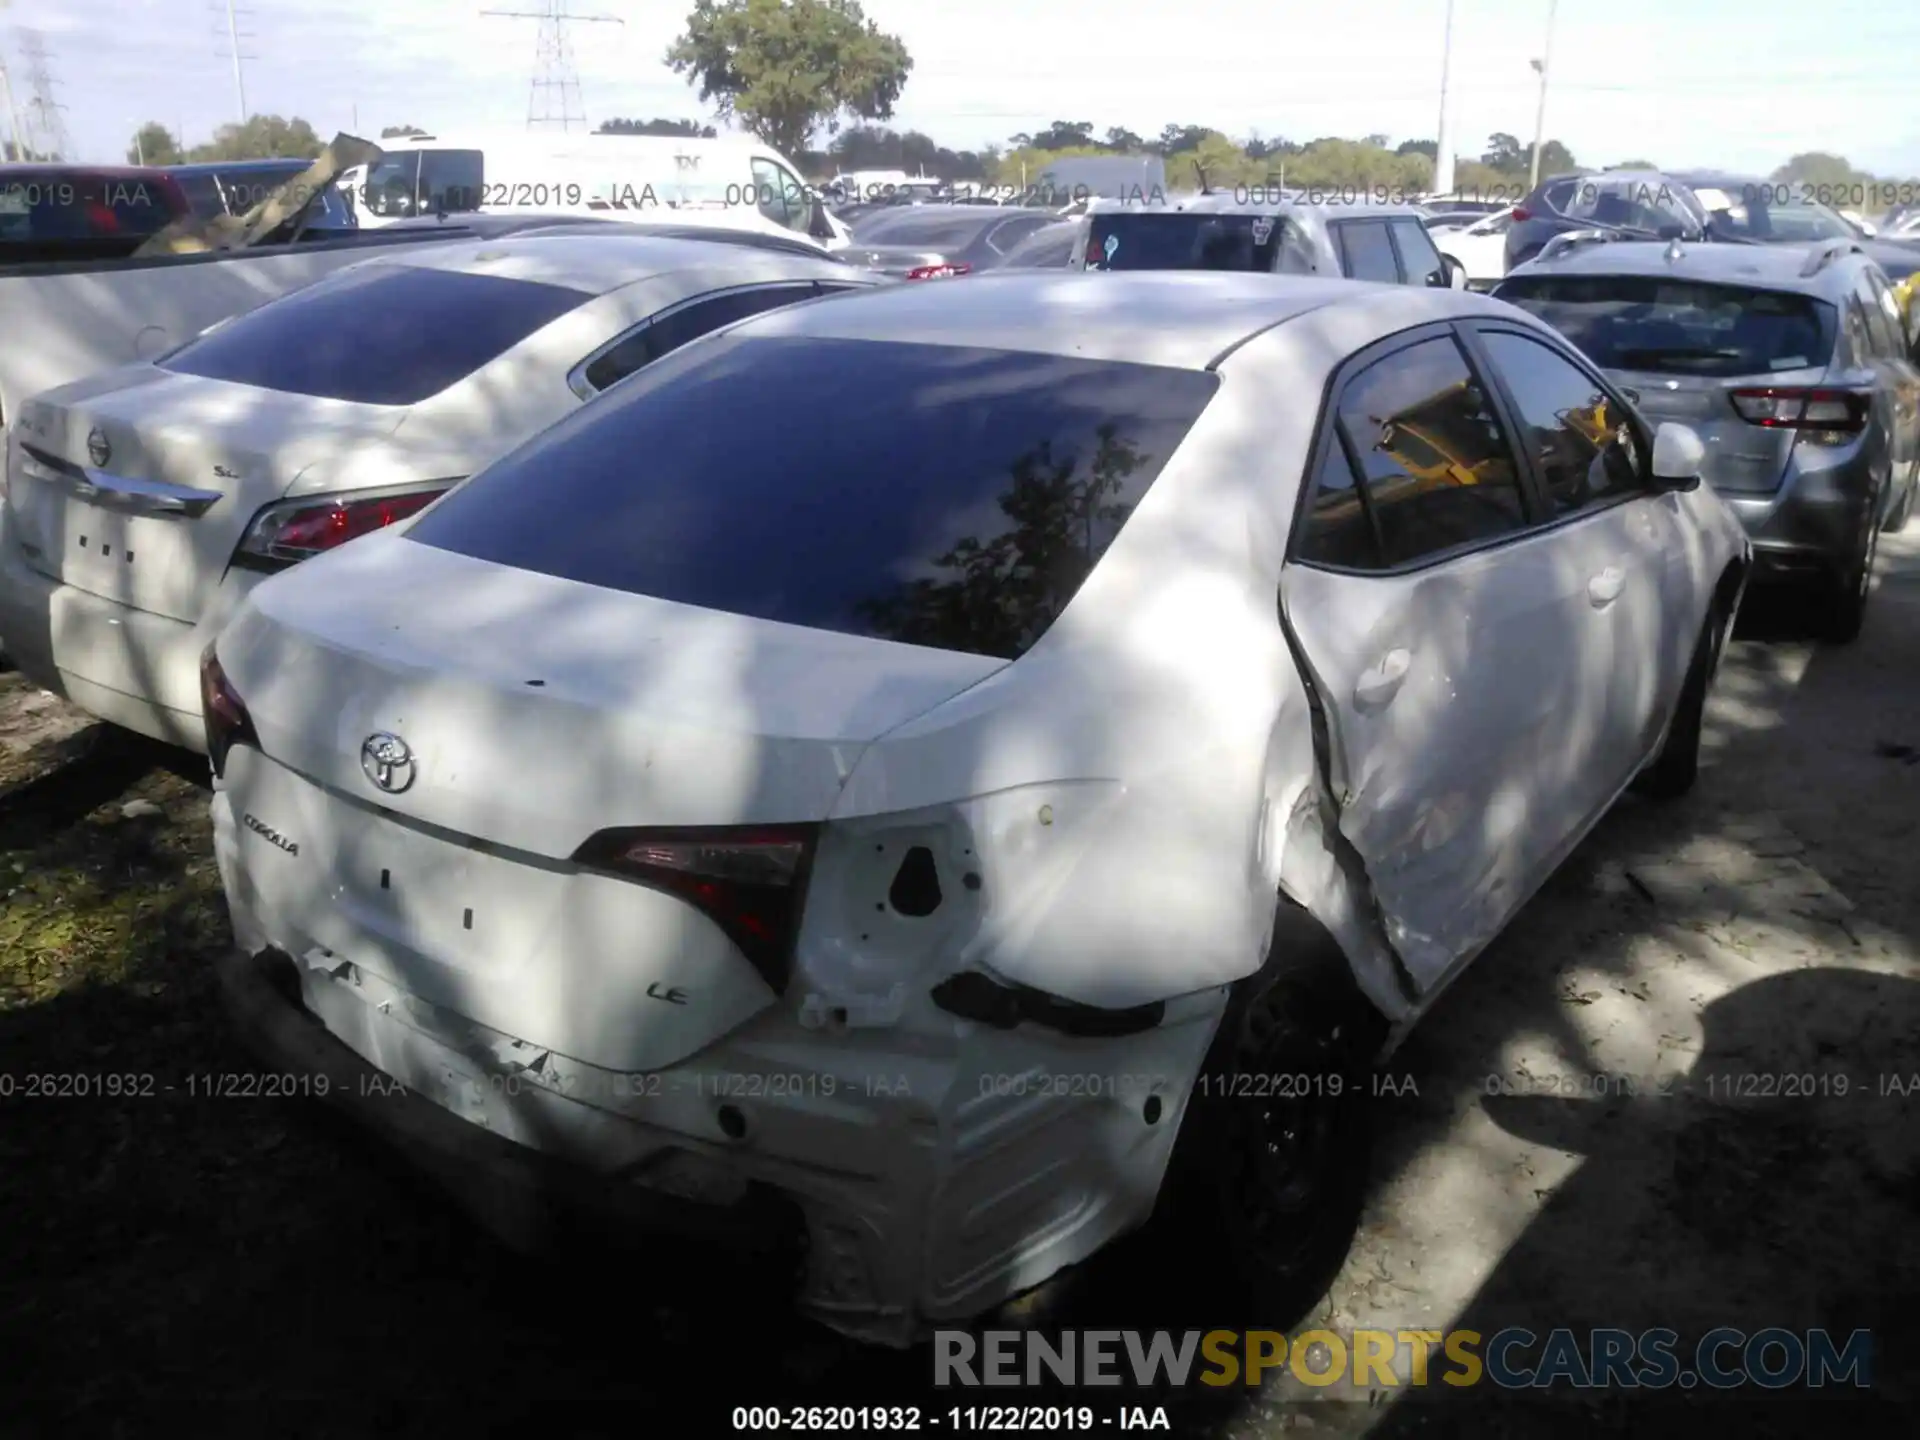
(750, 880)
(294, 530)
(1839, 413)
(228, 723)
(1520, 212)
(940, 272)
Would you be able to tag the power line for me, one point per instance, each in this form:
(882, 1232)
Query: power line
(554, 72)
(227, 20)
(45, 113)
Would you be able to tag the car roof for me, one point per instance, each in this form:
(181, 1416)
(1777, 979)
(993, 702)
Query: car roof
(599, 264)
(1775, 267)
(225, 167)
(1184, 319)
(1227, 202)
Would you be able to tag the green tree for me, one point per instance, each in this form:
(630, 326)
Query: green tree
(1819, 168)
(1122, 139)
(263, 137)
(1634, 165)
(1505, 154)
(393, 132)
(154, 144)
(785, 68)
(689, 129)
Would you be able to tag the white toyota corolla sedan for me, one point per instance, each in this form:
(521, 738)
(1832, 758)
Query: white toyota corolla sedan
(893, 767)
(144, 504)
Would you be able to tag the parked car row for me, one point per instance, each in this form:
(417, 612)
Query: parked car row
(728, 729)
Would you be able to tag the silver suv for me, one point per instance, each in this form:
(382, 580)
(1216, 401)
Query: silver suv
(1792, 364)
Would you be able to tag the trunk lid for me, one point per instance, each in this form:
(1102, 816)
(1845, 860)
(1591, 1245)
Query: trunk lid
(540, 710)
(457, 887)
(142, 482)
(1742, 458)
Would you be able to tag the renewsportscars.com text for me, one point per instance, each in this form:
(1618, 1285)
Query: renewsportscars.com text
(1364, 1360)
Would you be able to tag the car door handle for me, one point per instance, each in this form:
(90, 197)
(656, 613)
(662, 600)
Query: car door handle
(1381, 683)
(1604, 588)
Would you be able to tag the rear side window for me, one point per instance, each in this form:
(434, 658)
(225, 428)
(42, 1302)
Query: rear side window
(941, 496)
(1365, 251)
(1651, 324)
(1436, 467)
(1044, 251)
(377, 334)
(667, 333)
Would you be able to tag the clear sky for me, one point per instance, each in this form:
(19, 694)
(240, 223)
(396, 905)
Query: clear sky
(1737, 83)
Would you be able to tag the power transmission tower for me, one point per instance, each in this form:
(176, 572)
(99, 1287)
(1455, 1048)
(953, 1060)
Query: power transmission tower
(555, 76)
(16, 133)
(43, 110)
(227, 19)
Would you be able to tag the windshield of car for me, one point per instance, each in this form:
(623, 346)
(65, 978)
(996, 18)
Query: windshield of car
(1638, 203)
(1770, 215)
(1189, 241)
(773, 484)
(376, 334)
(1681, 327)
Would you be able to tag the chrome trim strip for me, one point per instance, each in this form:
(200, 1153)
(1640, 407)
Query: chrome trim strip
(158, 498)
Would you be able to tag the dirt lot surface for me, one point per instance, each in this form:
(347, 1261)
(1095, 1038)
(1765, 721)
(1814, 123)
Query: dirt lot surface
(1628, 1114)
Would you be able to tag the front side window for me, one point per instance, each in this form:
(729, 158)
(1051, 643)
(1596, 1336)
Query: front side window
(393, 185)
(1681, 327)
(1582, 443)
(377, 333)
(1420, 261)
(1366, 252)
(779, 197)
(953, 497)
(1437, 467)
(666, 333)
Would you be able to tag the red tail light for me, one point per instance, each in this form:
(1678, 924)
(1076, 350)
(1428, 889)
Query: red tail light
(1520, 212)
(940, 272)
(750, 880)
(228, 723)
(1782, 407)
(296, 530)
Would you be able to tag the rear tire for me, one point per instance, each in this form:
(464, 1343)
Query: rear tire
(1843, 599)
(1677, 767)
(1267, 1180)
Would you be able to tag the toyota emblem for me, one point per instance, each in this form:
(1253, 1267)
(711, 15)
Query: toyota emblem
(387, 761)
(98, 450)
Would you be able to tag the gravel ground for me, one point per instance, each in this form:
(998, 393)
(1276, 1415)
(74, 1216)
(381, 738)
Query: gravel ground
(238, 1265)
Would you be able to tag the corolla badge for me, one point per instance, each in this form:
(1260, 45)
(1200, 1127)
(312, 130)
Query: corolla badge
(98, 450)
(387, 761)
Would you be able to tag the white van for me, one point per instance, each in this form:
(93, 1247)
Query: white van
(626, 176)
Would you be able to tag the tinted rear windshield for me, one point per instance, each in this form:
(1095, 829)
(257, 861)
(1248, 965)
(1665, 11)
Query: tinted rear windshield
(1182, 242)
(940, 496)
(1647, 323)
(377, 334)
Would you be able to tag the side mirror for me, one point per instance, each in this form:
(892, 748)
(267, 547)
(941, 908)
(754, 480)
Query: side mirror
(1633, 395)
(1679, 457)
